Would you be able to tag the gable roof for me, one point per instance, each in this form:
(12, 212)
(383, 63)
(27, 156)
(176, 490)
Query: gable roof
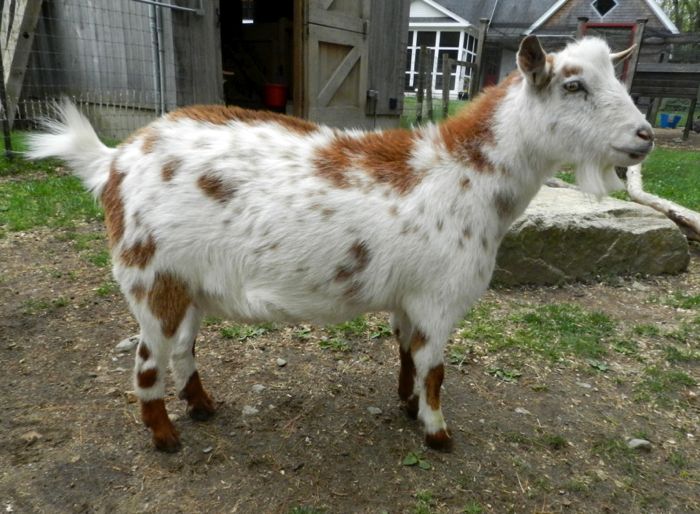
(448, 13)
(655, 8)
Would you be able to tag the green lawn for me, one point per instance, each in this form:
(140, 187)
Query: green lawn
(408, 118)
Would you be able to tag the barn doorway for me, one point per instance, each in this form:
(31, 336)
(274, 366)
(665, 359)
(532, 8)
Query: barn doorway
(257, 49)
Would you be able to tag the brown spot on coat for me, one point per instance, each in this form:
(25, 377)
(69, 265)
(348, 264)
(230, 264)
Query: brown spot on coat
(138, 291)
(418, 341)
(360, 256)
(168, 300)
(394, 211)
(155, 417)
(199, 404)
(383, 156)
(150, 139)
(143, 351)
(433, 381)
(215, 187)
(140, 253)
(221, 115)
(505, 205)
(113, 205)
(466, 134)
(169, 169)
(465, 183)
(147, 379)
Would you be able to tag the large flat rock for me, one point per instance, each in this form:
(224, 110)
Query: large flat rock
(567, 236)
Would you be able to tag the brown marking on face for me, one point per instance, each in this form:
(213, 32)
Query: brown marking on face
(113, 205)
(384, 156)
(140, 253)
(169, 169)
(215, 188)
(150, 139)
(147, 379)
(221, 115)
(465, 183)
(199, 404)
(155, 417)
(143, 351)
(505, 205)
(168, 300)
(360, 257)
(440, 440)
(466, 134)
(433, 381)
(571, 70)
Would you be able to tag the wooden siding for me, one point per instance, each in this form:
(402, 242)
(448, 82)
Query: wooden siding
(627, 11)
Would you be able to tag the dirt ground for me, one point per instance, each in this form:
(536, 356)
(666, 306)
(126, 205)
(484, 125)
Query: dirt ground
(325, 432)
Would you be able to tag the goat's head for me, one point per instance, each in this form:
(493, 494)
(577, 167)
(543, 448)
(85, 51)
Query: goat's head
(589, 118)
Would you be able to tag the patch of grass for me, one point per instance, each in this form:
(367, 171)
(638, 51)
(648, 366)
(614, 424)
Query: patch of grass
(243, 332)
(473, 507)
(646, 330)
(303, 333)
(678, 460)
(424, 502)
(553, 441)
(683, 300)
(100, 258)
(211, 321)
(353, 328)
(334, 343)
(52, 202)
(458, 353)
(625, 346)
(107, 288)
(408, 116)
(662, 383)
(34, 306)
(507, 375)
(307, 510)
(480, 325)
(555, 330)
(674, 354)
(17, 165)
(673, 174)
(380, 331)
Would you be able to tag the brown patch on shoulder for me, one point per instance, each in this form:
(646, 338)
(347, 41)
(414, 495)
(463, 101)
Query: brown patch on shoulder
(221, 115)
(215, 188)
(168, 300)
(169, 169)
(140, 253)
(384, 156)
(466, 134)
(143, 351)
(571, 70)
(360, 256)
(150, 139)
(147, 379)
(433, 381)
(113, 205)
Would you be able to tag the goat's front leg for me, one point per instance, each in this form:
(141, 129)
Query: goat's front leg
(420, 378)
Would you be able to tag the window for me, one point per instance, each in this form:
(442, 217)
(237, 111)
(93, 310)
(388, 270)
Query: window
(603, 7)
(426, 38)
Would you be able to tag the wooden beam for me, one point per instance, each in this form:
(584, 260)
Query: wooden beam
(475, 83)
(17, 34)
(637, 42)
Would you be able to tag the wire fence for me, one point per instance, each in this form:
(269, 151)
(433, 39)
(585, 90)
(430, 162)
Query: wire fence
(114, 58)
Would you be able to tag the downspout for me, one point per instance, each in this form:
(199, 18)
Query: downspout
(155, 53)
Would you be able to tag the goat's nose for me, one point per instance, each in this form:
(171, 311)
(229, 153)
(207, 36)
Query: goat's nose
(645, 133)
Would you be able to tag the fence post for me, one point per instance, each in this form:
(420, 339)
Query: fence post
(475, 83)
(421, 83)
(446, 70)
(429, 86)
(5, 108)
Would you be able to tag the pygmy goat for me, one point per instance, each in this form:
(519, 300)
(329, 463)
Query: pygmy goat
(255, 216)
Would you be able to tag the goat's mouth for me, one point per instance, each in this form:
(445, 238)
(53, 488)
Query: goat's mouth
(635, 153)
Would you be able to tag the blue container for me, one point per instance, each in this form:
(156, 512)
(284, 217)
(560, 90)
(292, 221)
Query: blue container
(674, 121)
(663, 121)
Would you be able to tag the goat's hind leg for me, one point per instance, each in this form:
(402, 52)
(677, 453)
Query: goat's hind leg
(404, 332)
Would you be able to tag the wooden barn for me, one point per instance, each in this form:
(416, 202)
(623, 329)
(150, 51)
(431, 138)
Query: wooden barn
(338, 62)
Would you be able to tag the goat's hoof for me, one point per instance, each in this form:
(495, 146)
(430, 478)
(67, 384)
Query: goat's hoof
(411, 407)
(201, 412)
(440, 441)
(169, 443)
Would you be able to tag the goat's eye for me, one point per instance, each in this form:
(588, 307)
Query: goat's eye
(573, 85)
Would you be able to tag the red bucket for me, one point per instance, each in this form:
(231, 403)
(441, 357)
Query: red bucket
(275, 96)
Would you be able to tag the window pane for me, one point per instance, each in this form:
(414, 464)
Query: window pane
(426, 38)
(410, 38)
(449, 39)
(438, 81)
(408, 59)
(452, 54)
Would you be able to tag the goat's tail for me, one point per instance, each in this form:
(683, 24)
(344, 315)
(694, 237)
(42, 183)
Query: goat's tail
(71, 138)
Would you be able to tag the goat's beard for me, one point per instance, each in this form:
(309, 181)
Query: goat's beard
(597, 180)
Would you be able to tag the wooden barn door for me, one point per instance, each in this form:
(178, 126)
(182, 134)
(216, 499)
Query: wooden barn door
(333, 61)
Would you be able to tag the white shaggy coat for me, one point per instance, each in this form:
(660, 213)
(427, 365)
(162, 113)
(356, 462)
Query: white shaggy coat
(255, 218)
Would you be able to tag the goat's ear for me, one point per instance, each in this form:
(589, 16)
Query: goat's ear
(618, 57)
(532, 61)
